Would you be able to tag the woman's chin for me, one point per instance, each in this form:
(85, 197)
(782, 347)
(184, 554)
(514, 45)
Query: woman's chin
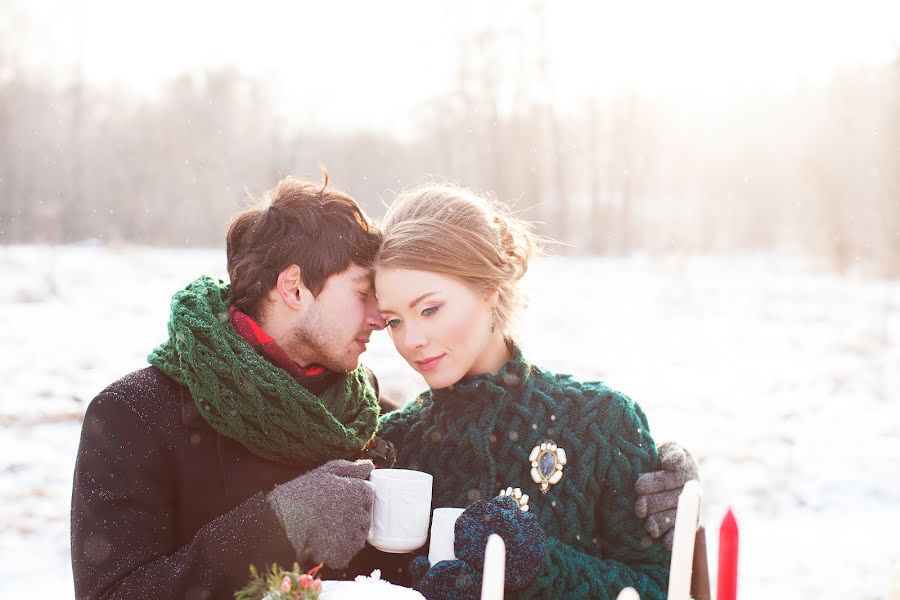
(438, 381)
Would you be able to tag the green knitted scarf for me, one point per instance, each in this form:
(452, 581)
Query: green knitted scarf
(248, 399)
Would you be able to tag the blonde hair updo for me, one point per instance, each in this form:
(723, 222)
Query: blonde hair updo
(450, 230)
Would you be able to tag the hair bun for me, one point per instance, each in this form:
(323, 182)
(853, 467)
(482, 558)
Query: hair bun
(517, 242)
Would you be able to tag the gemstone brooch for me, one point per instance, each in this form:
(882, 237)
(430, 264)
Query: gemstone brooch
(547, 461)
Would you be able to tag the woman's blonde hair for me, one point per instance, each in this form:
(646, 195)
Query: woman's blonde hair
(450, 230)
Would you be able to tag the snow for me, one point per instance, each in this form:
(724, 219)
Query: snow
(784, 382)
(371, 588)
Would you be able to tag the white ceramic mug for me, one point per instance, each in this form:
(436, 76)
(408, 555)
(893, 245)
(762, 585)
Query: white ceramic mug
(401, 510)
(443, 534)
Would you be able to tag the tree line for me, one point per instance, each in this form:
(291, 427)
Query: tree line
(815, 169)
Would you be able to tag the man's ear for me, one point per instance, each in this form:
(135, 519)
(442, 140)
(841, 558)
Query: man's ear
(289, 288)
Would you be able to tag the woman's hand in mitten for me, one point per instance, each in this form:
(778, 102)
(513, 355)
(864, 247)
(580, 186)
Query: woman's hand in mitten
(446, 580)
(521, 532)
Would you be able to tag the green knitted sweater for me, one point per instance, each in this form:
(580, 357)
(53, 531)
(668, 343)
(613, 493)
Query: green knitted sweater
(477, 436)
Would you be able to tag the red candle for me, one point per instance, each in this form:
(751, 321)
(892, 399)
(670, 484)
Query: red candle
(728, 558)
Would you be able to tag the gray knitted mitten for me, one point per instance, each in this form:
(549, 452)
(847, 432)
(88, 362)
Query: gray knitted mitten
(326, 512)
(658, 491)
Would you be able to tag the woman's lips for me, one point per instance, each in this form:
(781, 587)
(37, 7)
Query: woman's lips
(429, 363)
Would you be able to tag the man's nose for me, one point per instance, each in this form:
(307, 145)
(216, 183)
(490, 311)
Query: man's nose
(374, 318)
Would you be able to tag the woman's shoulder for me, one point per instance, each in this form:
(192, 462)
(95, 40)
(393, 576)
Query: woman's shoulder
(584, 391)
(594, 401)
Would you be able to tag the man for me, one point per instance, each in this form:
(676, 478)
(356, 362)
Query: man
(175, 483)
(239, 445)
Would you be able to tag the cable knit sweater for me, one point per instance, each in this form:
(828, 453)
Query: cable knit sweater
(476, 436)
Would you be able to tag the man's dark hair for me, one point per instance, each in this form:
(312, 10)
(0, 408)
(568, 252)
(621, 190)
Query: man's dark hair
(298, 223)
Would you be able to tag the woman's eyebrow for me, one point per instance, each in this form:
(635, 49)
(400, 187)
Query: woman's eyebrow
(411, 304)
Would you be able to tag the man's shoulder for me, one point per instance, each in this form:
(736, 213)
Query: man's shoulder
(384, 403)
(147, 394)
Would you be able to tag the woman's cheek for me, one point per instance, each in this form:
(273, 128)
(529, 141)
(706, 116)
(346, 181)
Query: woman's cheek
(459, 329)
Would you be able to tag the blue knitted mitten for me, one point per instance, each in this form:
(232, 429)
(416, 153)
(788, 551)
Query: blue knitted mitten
(447, 580)
(461, 579)
(521, 533)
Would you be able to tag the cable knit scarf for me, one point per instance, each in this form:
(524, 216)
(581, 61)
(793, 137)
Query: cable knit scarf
(247, 398)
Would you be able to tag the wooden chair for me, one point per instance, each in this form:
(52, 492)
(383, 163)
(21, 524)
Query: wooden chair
(697, 568)
(689, 572)
(699, 573)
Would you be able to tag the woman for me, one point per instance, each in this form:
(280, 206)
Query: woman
(446, 280)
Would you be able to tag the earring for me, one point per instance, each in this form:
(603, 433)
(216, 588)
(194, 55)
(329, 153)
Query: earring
(493, 318)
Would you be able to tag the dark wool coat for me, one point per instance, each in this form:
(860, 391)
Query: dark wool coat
(163, 506)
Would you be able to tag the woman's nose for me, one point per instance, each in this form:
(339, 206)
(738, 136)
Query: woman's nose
(415, 337)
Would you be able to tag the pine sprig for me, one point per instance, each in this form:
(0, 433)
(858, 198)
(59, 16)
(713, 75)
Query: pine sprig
(278, 584)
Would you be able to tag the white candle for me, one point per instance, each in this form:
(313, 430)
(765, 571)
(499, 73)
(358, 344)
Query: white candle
(686, 521)
(494, 569)
(628, 593)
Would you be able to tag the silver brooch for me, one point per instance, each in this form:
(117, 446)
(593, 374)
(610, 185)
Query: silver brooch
(518, 497)
(547, 461)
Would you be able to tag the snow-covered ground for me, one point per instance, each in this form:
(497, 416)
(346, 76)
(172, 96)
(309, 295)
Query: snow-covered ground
(783, 382)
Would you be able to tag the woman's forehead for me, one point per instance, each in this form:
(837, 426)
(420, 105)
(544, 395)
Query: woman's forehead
(396, 289)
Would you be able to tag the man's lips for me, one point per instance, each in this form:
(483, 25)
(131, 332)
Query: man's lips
(428, 364)
(362, 342)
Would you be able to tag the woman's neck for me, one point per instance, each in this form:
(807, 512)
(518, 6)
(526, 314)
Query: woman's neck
(494, 356)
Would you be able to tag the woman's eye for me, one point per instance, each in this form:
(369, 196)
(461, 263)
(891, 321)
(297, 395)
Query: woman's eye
(430, 311)
(393, 323)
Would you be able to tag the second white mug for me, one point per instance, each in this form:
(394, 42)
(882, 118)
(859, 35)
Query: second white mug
(443, 534)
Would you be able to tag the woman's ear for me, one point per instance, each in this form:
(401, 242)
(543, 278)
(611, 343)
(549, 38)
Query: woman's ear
(493, 297)
(289, 287)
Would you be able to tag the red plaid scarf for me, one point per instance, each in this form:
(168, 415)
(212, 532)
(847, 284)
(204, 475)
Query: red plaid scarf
(263, 343)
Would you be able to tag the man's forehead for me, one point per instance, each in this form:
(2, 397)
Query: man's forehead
(361, 274)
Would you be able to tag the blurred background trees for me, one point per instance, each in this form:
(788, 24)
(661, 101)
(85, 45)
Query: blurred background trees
(813, 170)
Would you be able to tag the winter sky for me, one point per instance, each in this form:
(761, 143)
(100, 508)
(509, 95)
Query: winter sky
(375, 62)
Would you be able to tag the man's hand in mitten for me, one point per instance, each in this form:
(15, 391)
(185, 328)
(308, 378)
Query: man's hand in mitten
(326, 512)
(658, 491)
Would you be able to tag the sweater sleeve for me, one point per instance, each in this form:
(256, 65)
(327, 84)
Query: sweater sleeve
(124, 524)
(630, 557)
